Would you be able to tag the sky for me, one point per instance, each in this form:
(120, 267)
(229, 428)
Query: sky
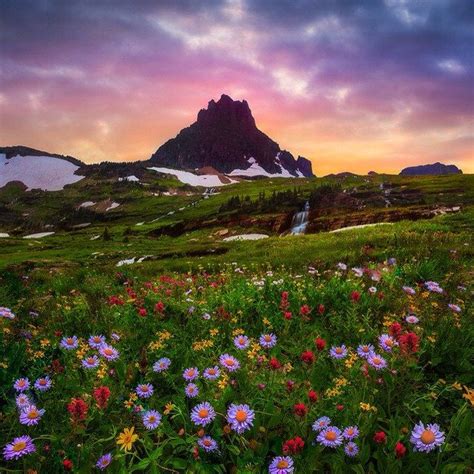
(353, 85)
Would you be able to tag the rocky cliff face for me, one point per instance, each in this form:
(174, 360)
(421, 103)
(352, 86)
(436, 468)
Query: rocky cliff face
(226, 138)
(434, 169)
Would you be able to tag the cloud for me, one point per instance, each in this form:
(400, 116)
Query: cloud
(451, 65)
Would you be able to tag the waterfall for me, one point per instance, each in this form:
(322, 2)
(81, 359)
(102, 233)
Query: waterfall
(300, 221)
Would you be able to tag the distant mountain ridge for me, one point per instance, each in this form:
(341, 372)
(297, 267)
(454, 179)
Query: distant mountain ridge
(11, 151)
(432, 169)
(226, 138)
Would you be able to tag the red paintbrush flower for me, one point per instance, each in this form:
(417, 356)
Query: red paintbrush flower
(274, 363)
(78, 408)
(400, 450)
(300, 409)
(355, 296)
(293, 446)
(313, 396)
(308, 357)
(320, 343)
(380, 437)
(409, 343)
(305, 310)
(101, 396)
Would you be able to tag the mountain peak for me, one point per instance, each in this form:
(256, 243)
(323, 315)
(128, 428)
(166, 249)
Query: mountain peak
(227, 111)
(225, 137)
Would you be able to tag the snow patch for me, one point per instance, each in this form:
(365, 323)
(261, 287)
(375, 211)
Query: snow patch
(4, 235)
(39, 235)
(81, 226)
(114, 205)
(87, 204)
(131, 261)
(38, 172)
(127, 261)
(256, 170)
(208, 180)
(246, 237)
(132, 178)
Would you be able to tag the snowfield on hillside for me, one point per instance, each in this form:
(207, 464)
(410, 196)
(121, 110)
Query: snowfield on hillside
(38, 172)
(208, 180)
(256, 170)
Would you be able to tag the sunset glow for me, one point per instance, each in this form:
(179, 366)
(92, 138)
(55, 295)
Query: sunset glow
(351, 85)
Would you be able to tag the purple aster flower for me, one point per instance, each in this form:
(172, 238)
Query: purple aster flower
(351, 432)
(190, 374)
(342, 266)
(240, 417)
(338, 352)
(191, 390)
(115, 337)
(454, 307)
(30, 415)
(43, 384)
(151, 419)
(109, 352)
(22, 384)
(161, 365)
(90, 362)
(212, 373)
(229, 362)
(18, 448)
(412, 319)
(208, 444)
(377, 361)
(408, 290)
(6, 313)
(104, 461)
(330, 437)
(351, 449)
(241, 342)
(268, 341)
(22, 401)
(358, 272)
(96, 341)
(426, 438)
(203, 414)
(364, 350)
(387, 343)
(69, 343)
(281, 465)
(433, 286)
(372, 290)
(321, 423)
(144, 390)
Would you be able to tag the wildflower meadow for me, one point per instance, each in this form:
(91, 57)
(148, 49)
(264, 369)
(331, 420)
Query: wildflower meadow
(241, 370)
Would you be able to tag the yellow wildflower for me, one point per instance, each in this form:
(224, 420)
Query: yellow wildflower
(169, 407)
(469, 395)
(127, 438)
(367, 407)
(214, 332)
(164, 335)
(456, 385)
(45, 343)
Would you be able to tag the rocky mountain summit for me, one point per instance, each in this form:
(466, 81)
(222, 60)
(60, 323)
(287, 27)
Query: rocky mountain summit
(226, 138)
